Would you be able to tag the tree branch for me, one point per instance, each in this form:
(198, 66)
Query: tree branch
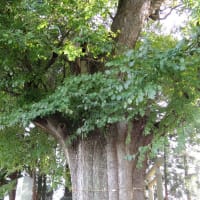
(129, 19)
(171, 9)
(56, 128)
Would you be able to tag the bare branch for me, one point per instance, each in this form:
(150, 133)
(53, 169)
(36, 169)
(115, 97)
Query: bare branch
(111, 16)
(171, 9)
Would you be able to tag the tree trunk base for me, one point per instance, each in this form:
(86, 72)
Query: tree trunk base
(99, 168)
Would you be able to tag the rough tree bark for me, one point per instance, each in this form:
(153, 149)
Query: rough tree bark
(130, 18)
(99, 170)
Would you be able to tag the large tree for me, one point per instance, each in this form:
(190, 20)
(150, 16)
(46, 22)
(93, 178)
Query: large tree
(75, 69)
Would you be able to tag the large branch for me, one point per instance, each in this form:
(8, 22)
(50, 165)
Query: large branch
(171, 9)
(130, 18)
(56, 127)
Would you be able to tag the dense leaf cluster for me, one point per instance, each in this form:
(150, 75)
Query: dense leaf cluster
(40, 39)
(161, 85)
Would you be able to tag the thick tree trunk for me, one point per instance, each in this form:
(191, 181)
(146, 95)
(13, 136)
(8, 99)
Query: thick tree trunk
(99, 168)
(98, 165)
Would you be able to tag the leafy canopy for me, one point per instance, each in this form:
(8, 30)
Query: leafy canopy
(133, 84)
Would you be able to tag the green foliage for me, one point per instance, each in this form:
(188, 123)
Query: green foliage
(135, 84)
(6, 188)
(28, 151)
(32, 32)
(194, 7)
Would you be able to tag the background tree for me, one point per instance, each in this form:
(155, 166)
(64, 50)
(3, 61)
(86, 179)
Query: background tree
(182, 165)
(80, 76)
(30, 153)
